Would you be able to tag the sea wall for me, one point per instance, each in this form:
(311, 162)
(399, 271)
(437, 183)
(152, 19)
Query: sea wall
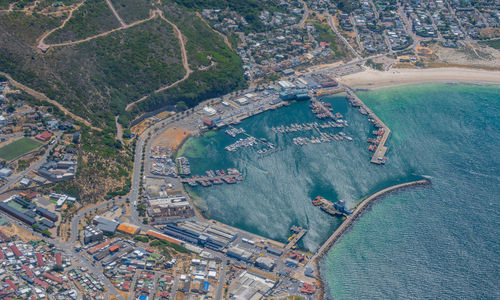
(350, 220)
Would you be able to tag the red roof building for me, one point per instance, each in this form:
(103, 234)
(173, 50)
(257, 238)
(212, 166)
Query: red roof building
(125, 286)
(41, 283)
(58, 259)
(28, 271)
(39, 259)
(11, 284)
(15, 250)
(2, 255)
(53, 278)
(44, 136)
(308, 288)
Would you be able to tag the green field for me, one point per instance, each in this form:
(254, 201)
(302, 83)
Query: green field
(18, 148)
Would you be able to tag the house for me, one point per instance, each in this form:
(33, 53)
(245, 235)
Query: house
(44, 136)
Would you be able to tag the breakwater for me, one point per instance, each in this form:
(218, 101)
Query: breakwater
(350, 220)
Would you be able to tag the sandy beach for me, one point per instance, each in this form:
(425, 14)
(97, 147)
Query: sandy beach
(370, 79)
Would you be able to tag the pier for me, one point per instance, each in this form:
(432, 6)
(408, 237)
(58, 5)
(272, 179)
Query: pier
(355, 214)
(208, 178)
(295, 240)
(380, 151)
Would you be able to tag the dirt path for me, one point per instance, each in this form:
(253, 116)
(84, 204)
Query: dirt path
(115, 13)
(181, 38)
(224, 37)
(185, 63)
(119, 130)
(41, 43)
(44, 47)
(43, 97)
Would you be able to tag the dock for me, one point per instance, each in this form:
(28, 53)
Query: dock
(378, 156)
(328, 207)
(295, 240)
(356, 213)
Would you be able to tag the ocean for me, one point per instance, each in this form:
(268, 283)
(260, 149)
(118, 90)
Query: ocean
(440, 241)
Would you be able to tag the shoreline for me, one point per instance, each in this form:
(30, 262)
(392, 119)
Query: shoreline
(372, 79)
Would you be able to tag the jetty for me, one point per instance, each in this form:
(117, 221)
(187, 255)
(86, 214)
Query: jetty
(295, 240)
(356, 213)
(378, 156)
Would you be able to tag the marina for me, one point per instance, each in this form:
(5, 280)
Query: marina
(295, 127)
(323, 138)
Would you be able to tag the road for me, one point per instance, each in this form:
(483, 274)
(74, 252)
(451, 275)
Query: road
(16, 177)
(341, 37)
(221, 281)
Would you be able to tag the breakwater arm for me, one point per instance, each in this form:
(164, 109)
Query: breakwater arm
(351, 218)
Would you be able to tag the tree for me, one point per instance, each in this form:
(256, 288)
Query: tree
(57, 268)
(181, 106)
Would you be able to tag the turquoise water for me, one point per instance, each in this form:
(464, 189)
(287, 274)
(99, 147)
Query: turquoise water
(436, 242)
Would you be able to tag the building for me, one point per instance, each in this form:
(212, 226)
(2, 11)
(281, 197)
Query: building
(47, 214)
(17, 214)
(92, 234)
(44, 136)
(291, 262)
(107, 226)
(250, 286)
(239, 253)
(265, 263)
(128, 228)
(274, 251)
(5, 172)
(209, 110)
(202, 234)
(163, 210)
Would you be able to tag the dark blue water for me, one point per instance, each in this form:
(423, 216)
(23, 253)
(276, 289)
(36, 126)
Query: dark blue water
(436, 242)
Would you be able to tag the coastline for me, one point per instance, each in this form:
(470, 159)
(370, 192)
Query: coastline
(372, 79)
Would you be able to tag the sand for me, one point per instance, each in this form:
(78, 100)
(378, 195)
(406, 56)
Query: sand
(172, 138)
(374, 79)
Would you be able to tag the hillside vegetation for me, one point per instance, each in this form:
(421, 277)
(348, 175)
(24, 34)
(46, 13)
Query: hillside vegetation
(102, 65)
(93, 17)
(132, 10)
(202, 42)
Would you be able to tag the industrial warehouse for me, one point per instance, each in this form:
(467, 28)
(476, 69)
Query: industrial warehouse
(201, 233)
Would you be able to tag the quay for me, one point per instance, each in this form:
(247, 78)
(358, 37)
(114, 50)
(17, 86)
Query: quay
(379, 154)
(355, 214)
